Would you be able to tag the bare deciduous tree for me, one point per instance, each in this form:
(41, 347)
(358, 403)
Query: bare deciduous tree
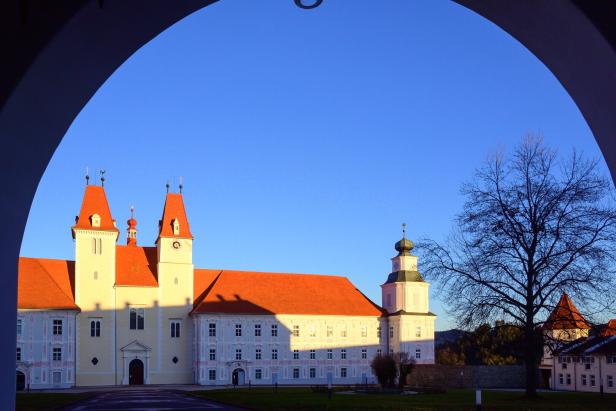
(532, 226)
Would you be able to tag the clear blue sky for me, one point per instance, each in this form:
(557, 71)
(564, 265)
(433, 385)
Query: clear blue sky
(305, 138)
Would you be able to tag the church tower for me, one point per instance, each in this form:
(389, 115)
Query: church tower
(95, 235)
(175, 285)
(405, 298)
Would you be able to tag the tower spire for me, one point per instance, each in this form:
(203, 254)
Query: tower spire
(102, 172)
(131, 232)
(87, 176)
(181, 185)
(404, 231)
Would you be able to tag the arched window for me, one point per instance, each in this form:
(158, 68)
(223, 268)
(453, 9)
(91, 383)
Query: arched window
(176, 226)
(96, 275)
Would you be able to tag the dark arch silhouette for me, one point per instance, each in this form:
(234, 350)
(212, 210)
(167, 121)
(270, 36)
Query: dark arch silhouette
(57, 54)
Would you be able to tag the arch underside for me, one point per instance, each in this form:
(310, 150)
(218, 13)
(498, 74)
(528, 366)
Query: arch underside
(56, 55)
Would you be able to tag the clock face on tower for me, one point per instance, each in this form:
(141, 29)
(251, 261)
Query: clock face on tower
(176, 245)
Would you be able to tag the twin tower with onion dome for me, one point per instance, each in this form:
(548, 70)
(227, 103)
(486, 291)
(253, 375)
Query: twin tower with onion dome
(128, 314)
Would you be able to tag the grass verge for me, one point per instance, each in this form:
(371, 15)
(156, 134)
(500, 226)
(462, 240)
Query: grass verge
(264, 399)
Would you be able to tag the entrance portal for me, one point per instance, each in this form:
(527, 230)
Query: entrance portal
(237, 378)
(21, 381)
(135, 372)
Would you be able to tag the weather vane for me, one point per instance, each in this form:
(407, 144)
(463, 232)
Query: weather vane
(301, 5)
(403, 230)
(102, 172)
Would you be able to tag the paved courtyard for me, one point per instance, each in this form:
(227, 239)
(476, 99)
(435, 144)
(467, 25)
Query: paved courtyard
(146, 400)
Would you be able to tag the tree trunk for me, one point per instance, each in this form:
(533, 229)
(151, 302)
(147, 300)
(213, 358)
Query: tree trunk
(530, 357)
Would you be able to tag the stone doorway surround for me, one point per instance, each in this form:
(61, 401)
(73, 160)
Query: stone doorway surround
(135, 351)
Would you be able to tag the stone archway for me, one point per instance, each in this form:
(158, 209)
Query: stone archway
(238, 377)
(40, 94)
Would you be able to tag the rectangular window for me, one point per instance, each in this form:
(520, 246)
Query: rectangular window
(313, 331)
(583, 379)
(564, 366)
(137, 316)
(330, 331)
(343, 372)
(238, 330)
(343, 333)
(296, 331)
(296, 354)
(258, 374)
(378, 332)
(257, 330)
(212, 354)
(274, 354)
(296, 373)
(609, 359)
(418, 353)
(57, 354)
(560, 379)
(57, 327)
(313, 355)
(391, 332)
(417, 331)
(212, 375)
(175, 328)
(19, 325)
(587, 366)
(258, 354)
(364, 331)
(568, 379)
(212, 329)
(364, 354)
(18, 357)
(313, 373)
(95, 328)
(274, 330)
(343, 354)
(379, 351)
(238, 354)
(592, 380)
(610, 381)
(330, 354)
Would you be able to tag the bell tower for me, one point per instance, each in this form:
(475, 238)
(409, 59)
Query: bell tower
(174, 246)
(405, 298)
(95, 235)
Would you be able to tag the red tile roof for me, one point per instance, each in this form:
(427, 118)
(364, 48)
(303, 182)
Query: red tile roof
(95, 202)
(174, 209)
(46, 284)
(565, 316)
(136, 266)
(607, 330)
(49, 284)
(245, 292)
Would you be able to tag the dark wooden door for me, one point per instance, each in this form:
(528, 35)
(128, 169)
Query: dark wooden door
(135, 372)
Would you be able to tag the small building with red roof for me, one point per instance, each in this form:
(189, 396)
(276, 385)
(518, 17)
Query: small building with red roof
(577, 356)
(126, 314)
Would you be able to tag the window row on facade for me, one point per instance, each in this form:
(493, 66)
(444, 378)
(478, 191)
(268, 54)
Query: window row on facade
(585, 380)
(258, 331)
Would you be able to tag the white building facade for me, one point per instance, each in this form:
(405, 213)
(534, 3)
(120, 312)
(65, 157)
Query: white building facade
(127, 314)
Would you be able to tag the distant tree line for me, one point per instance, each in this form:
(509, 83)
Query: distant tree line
(501, 344)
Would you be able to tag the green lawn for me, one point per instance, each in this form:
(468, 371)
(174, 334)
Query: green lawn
(458, 400)
(39, 401)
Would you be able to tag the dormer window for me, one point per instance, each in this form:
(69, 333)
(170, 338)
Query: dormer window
(176, 226)
(96, 220)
